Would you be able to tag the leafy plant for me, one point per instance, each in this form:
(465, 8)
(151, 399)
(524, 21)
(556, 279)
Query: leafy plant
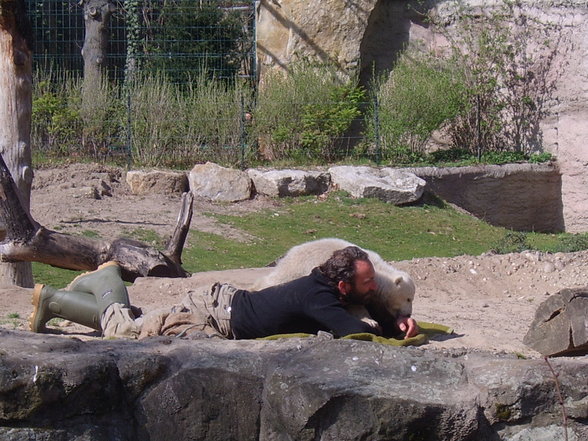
(572, 243)
(541, 157)
(178, 126)
(503, 157)
(56, 127)
(450, 155)
(512, 242)
(508, 77)
(300, 114)
(421, 94)
(102, 111)
(324, 123)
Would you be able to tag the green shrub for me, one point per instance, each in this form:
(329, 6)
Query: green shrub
(215, 120)
(503, 157)
(178, 126)
(302, 113)
(509, 78)
(450, 155)
(421, 94)
(323, 124)
(572, 243)
(56, 126)
(457, 156)
(103, 112)
(541, 157)
(68, 120)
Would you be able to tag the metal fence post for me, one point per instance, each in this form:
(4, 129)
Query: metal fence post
(243, 133)
(378, 152)
(129, 130)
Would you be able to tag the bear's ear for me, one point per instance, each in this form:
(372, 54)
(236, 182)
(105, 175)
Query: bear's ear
(398, 280)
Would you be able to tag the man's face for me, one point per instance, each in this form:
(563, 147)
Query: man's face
(363, 286)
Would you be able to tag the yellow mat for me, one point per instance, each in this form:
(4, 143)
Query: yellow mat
(426, 329)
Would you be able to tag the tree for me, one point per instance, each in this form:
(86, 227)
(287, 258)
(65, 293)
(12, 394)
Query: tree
(25, 240)
(506, 56)
(15, 115)
(97, 15)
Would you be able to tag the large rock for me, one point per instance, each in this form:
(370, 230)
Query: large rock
(56, 389)
(560, 326)
(291, 29)
(156, 181)
(387, 184)
(211, 181)
(283, 183)
(565, 130)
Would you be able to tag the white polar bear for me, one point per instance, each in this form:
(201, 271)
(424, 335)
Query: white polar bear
(395, 292)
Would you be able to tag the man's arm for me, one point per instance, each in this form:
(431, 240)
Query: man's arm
(330, 313)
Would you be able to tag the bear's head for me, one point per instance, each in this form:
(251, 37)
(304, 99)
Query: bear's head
(395, 293)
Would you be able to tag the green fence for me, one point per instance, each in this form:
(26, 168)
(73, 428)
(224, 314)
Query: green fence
(179, 37)
(159, 54)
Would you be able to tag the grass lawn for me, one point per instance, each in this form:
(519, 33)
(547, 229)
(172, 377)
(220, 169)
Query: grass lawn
(396, 233)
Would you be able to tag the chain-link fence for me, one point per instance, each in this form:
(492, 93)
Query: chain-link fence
(178, 37)
(173, 82)
(177, 86)
(152, 55)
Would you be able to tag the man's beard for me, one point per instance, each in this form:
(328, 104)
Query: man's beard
(354, 298)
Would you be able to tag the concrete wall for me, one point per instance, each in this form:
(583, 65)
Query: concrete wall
(523, 197)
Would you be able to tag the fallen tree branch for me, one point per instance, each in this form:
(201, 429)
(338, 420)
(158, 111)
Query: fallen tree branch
(27, 240)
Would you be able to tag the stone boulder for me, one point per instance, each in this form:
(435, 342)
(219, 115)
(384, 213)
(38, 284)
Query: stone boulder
(387, 184)
(211, 181)
(56, 388)
(560, 326)
(157, 181)
(283, 183)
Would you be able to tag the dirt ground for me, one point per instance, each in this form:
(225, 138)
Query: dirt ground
(489, 300)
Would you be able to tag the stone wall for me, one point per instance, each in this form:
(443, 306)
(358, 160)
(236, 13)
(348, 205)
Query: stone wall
(523, 197)
(353, 34)
(56, 389)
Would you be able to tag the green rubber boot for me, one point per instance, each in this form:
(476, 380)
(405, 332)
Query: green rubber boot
(105, 283)
(48, 303)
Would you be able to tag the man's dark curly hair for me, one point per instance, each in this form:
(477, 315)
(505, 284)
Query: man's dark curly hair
(341, 265)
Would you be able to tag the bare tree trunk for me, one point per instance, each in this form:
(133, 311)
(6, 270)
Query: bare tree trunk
(95, 51)
(15, 115)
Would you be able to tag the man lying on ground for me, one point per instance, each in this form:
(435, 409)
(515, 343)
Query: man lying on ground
(310, 304)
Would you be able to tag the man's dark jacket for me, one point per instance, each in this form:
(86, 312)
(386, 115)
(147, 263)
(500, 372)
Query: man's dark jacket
(309, 304)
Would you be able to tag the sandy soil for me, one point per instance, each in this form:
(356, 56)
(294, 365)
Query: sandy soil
(489, 300)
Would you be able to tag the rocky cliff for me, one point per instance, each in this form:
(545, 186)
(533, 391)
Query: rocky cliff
(355, 34)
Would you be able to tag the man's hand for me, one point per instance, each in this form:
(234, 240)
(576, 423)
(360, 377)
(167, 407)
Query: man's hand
(408, 326)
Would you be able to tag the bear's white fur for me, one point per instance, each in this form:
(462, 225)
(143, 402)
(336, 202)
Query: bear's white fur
(395, 292)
